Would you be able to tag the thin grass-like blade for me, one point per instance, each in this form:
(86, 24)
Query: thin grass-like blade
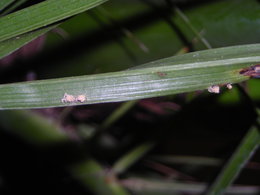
(5, 3)
(41, 132)
(241, 156)
(185, 73)
(11, 45)
(131, 157)
(142, 186)
(41, 15)
(14, 6)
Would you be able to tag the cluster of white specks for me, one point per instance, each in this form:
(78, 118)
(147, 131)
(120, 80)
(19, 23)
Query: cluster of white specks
(214, 89)
(67, 98)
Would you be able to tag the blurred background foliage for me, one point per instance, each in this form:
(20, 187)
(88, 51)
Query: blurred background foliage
(168, 145)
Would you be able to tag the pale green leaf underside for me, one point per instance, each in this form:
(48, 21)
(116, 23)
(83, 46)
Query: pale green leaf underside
(42, 14)
(189, 72)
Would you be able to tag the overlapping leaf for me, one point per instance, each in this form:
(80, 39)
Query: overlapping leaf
(41, 15)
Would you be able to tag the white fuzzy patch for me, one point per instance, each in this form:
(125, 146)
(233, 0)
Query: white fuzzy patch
(214, 89)
(229, 86)
(67, 98)
(81, 98)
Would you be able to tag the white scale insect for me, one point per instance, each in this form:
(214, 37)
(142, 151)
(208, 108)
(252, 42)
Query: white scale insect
(67, 98)
(81, 98)
(216, 88)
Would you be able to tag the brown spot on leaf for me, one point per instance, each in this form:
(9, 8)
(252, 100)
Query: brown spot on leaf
(252, 71)
(161, 74)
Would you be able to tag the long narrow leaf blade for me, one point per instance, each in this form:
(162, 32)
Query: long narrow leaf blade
(42, 14)
(131, 157)
(14, 6)
(238, 160)
(11, 45)
(5, 3)
(152, 186)
(189, 72)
